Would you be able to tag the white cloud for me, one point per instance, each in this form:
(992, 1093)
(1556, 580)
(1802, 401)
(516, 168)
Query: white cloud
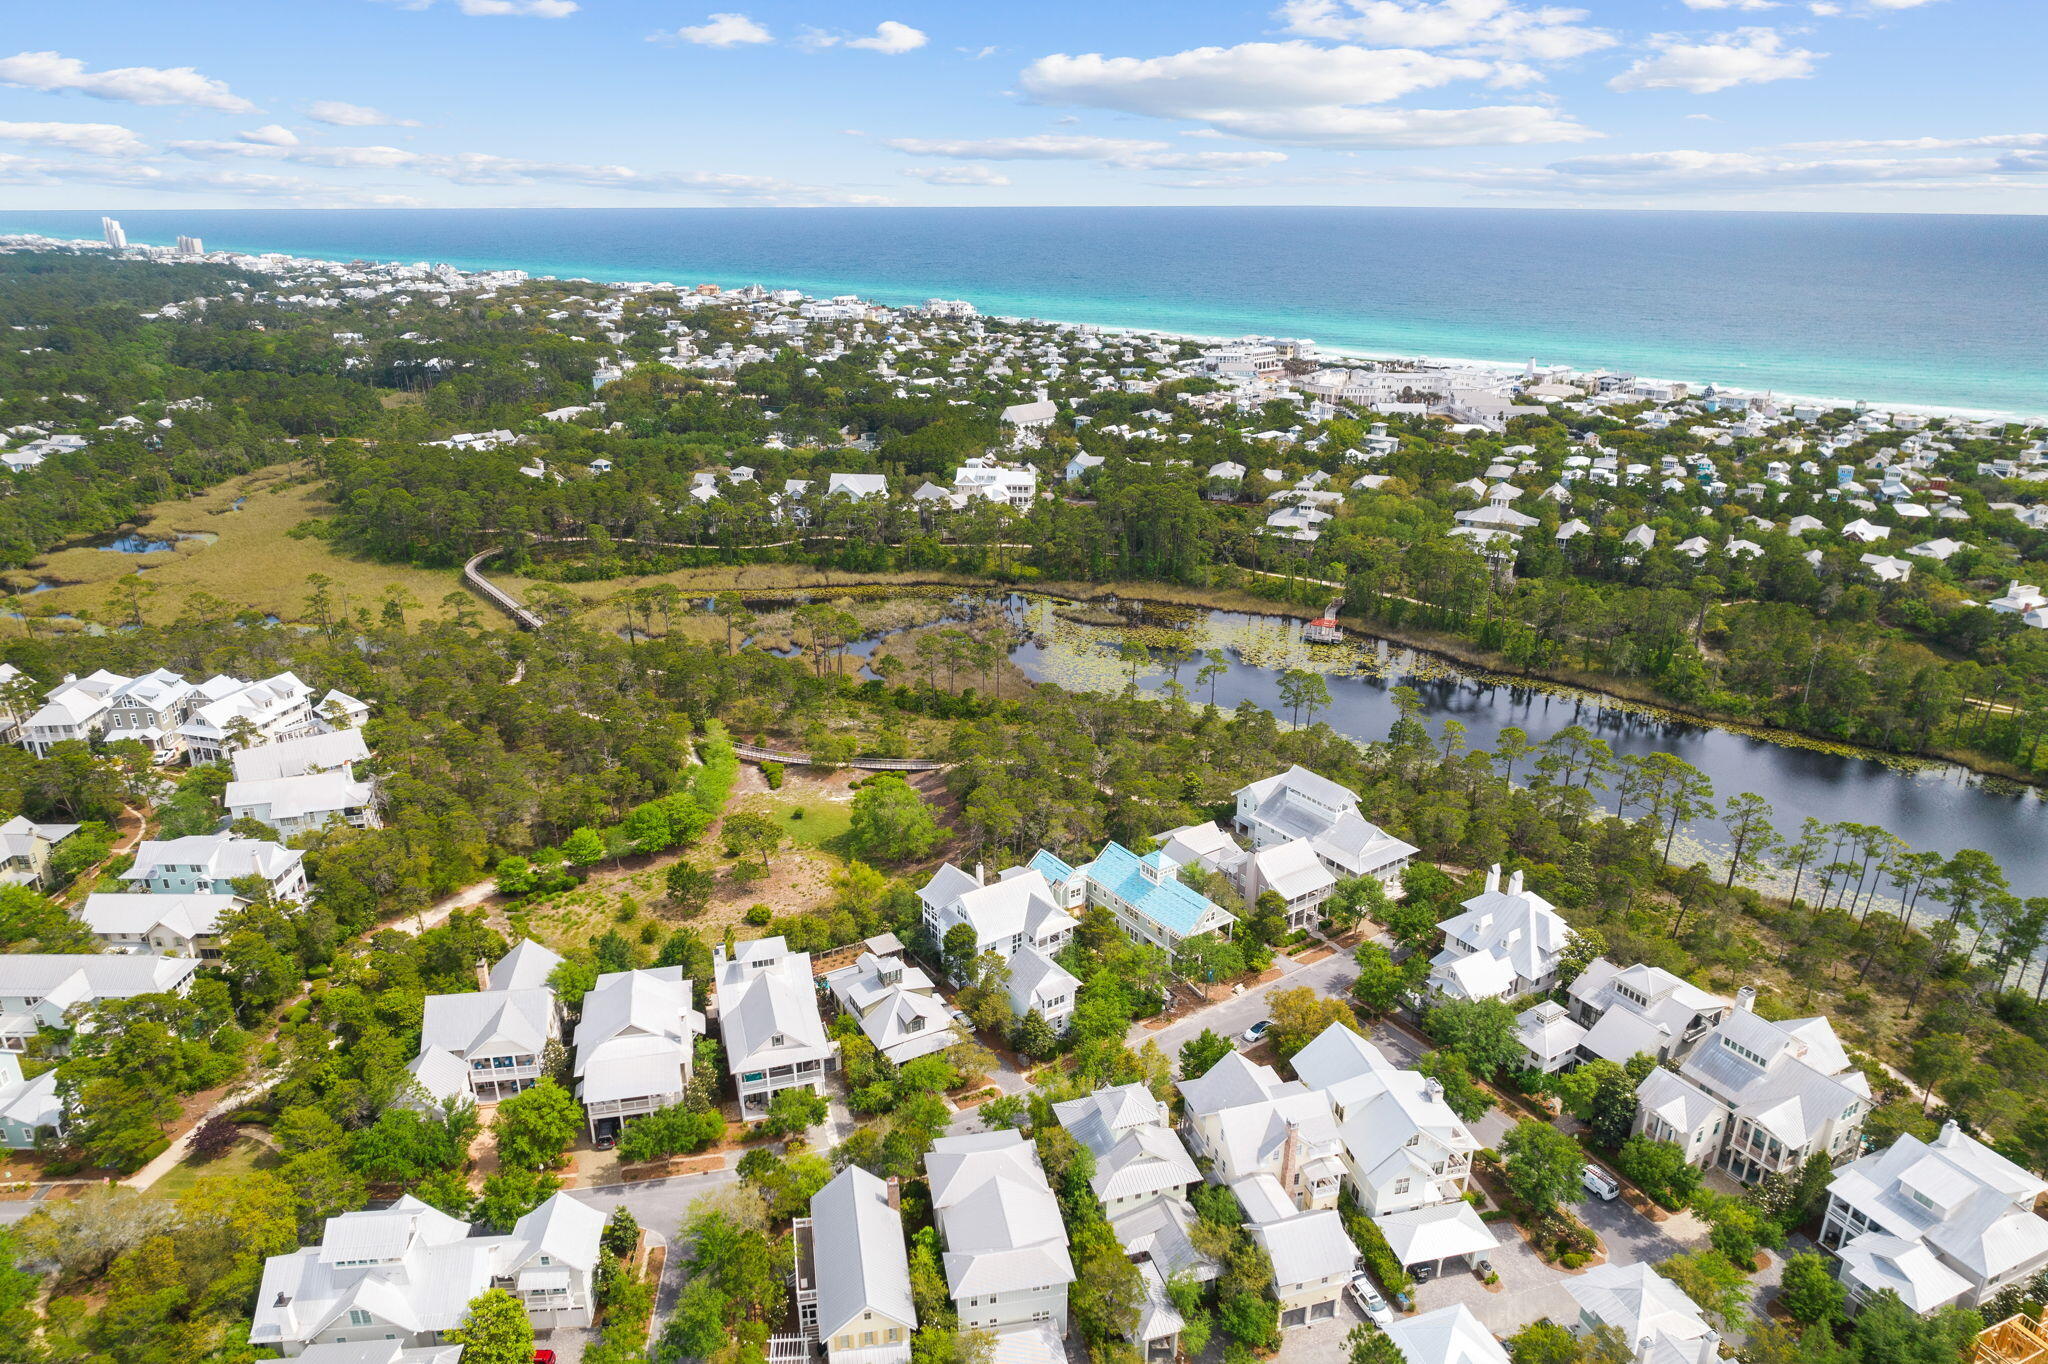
(1474, 27)
(2021, 141)
(1825, 9)
(1747, 56)
(956, 175)
(892, 38)
(532, 9)
(724, 29)
(1039, 147)
(482, 168)
(1684, 172)
(1129, 153)
(341, 114)
(53, 72)
(889, 37)
(1901, 4)
(94, 139)
(1731, 4)
(1299, 94)
(273, 135)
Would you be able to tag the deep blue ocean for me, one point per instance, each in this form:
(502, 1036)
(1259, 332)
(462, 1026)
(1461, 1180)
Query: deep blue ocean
(1932, 309)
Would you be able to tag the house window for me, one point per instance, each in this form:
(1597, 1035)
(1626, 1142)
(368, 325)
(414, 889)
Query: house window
(358, 1317)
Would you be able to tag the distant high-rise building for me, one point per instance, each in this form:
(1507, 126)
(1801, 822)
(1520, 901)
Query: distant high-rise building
(111, 228)
(191, 246)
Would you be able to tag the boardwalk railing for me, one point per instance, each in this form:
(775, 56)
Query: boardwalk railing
(496, 595)
(755, 753)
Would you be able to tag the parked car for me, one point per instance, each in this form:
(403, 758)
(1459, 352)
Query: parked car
(1422, 1273)
(1599, 1183)
(1257, 1030)
(1368, 1300)
(543, 1357)
(1482, 1268)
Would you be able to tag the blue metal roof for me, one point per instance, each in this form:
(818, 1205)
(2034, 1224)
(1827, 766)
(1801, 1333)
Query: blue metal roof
(1167, 902)
(1050, 867)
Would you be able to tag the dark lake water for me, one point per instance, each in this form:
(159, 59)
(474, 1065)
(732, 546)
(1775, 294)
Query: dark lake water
(1939, 807)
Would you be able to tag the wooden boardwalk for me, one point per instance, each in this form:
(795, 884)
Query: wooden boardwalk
(496, 595)
(755, 753)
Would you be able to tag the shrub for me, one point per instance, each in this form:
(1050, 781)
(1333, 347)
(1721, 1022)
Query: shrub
(759, 915)
(772, 772)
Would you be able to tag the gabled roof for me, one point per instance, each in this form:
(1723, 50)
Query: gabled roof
(1449, 1335)
(1648, 1309)
(861, 1262)
(1970, 1204)
(526, 967)
(489, 1022)
(999, 1220)
(636, 1035)
(1908, 1268)
(296, 757)
(766, 994)
(188, 916)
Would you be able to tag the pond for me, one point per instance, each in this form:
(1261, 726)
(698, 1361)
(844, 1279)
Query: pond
(1930, 805)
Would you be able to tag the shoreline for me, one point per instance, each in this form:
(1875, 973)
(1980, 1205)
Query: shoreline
(1335, 352)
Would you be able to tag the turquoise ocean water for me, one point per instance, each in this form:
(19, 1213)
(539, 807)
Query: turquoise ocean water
(1938, 310)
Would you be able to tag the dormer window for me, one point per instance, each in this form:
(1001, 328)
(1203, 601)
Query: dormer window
(777, 1040)
(1745, 1053)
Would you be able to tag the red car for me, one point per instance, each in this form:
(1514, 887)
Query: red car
(543, 1357)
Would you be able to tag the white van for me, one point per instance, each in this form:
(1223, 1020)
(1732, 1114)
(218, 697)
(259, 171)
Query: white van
(1599, 1183)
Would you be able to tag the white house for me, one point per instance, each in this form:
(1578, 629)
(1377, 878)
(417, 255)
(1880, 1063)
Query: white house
(1006, 1260)
(1299, 804)
(1505, 944)
(295, 805)
(29, 1109)
(1550, 1039)
(489, 1042)
(210, 864)
(768, 1017)
(59, 989)
(1019, 917)
(635, 1045)
(1756, 1097)
(1292, 871)
(1312, 1256)
(898, 1008)
(1245, 1120)
(1027, 423)
(1941, 1221)
(1627, 1011)
(334, 751)
(1652, 1313)
(407, 1273)
(25, 848)
(1142, 1176)
(167, 925)
(986, 476)
(853, 1273)
(1407, 1156)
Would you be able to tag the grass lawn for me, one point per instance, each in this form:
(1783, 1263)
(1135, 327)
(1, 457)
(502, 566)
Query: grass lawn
(814, 823)
(246, 1155)
(248, 559)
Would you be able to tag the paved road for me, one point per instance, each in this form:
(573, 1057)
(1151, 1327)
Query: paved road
(1331, 976)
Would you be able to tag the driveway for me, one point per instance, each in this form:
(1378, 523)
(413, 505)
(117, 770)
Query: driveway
(659, 1205)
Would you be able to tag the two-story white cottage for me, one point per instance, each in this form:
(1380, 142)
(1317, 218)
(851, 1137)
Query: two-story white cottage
(1245, 1120)
(897, 1006)
(635, 1045)
(489, 1044)
(1757, 1098)
(1640, 1010)
(1505, 944)
(1005, 1260)
(1407, 1156)
(29, 1109)
(1298, 803)
(767, 1009)
(1937, 1222)
(1021, 918)
(407, 1274)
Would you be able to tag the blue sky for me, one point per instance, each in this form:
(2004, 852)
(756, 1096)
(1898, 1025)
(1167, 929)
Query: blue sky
(1856, 105)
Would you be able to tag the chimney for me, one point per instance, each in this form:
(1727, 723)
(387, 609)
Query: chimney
(1290, 1160)
(1515, 883)
(1433, 1091)
(1745, 999)
(1493, 878)
(483, 974)
(980, 875)
(895, 1194)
